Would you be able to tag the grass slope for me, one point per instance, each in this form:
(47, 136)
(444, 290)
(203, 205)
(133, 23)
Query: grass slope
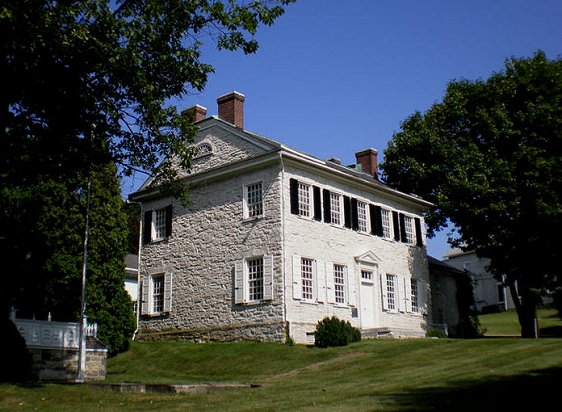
(423, 374)
(507, 324)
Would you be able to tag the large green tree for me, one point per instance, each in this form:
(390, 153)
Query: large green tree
(489, 157)
(87, 85)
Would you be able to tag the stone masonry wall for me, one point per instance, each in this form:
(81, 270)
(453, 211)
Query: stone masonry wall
(62, 364)
(327, 243)
(208, 237)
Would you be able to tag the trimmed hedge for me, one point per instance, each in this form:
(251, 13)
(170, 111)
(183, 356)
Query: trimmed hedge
(335, 332)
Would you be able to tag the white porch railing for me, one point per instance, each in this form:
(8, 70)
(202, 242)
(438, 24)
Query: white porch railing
(47, 334)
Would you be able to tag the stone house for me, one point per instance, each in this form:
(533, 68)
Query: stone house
(274, 240)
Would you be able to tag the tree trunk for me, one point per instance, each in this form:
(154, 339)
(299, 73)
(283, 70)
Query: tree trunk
(526, 305)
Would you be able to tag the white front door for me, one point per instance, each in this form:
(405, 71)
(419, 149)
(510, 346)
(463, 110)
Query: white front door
(367, 296)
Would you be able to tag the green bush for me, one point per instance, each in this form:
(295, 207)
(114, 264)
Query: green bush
(335, 332)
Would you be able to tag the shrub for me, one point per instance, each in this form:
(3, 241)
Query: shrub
(335, 332)
(436, 333)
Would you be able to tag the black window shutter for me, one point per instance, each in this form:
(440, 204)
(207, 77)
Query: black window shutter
(419, 235)
(294, 192)
(327, 206)
(168, 220)
(374, 219)
(317, 203)
(396, 224)
(403, 234)
(347, 212)
(147, 227)
(380, 230)
(354, 215)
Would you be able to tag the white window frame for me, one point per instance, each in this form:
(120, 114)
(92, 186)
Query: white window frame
(159, 224)
(415, 295)
(250, 204)
(336, 209)
(307, 278)
(243, 281)
(255, 268)
(340, 284)
(389, 289)
(386, 218)
(409, 229)
(305, 199)
(362, 217)
(148, 304)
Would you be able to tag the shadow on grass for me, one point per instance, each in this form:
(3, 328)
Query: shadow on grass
(539, 390)
(551, 332)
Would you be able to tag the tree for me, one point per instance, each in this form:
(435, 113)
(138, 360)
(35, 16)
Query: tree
(107, 302)
(87, 85)
(71, 66)
(489, 157)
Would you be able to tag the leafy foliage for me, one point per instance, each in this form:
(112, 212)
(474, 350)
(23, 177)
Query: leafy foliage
(77, 71)
(86, 86)
(335, 332)
(488, 156)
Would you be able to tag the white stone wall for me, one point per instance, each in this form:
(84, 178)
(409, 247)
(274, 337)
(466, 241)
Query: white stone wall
(208, 237)
(327, 243)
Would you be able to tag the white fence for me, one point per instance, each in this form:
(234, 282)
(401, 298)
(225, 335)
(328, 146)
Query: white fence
(47, 334)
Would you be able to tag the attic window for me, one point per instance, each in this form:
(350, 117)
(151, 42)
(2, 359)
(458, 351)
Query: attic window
(203, 149)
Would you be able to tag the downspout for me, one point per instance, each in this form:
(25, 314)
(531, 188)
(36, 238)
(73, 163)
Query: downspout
(139, 291)
(283, 255)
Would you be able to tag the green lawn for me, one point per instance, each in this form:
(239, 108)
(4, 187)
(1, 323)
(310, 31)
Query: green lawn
(397, 375)
(506, 323)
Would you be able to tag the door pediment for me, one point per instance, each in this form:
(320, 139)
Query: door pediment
(369, 258)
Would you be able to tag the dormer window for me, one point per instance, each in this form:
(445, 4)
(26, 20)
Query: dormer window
(204, 149)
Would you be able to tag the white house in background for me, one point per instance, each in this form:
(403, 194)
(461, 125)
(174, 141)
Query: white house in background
(132, 279)
(489, 292)
(274, 240)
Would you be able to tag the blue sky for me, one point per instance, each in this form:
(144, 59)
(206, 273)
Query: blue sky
(333, 77)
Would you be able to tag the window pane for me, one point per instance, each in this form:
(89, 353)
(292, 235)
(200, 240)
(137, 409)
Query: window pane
(160, 223)
(339, 283)
(409, 229)
(414, 295)
(255, 279)
(391, 291)
(254, 200)
(304, 199)
(366, 275)
(307, 278)
(362, 216)
(157, 294)
(386, 228)
(335, 212)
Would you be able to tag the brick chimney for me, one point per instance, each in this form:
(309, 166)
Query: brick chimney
(197, 113)
(231, 109)
(368, 160)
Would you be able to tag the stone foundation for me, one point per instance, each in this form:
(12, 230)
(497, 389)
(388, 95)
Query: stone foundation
(265, 332)
(62, 364)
